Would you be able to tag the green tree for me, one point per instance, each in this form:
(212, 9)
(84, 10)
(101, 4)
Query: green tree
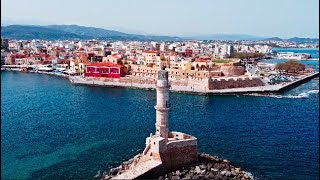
(290, 66)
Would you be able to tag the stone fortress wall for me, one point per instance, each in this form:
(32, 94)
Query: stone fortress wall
(184, 85)
(230, 83)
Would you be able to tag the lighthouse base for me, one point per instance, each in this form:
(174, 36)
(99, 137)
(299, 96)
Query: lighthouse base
(161, 156)
(179, 150)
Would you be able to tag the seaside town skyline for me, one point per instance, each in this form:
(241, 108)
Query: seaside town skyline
(208, 89)
(217, 17)
(191, 64)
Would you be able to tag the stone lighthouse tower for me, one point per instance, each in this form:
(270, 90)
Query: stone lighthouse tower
(173, 149)
(162, 106)
(166, 150)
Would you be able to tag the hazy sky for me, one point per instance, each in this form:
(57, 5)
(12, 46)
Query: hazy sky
(283, 18)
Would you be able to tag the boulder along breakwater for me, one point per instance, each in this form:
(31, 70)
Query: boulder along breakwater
(208, 167)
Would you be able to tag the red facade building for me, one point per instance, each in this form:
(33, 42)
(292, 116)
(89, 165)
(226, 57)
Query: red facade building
(188, 52)
(104, 69)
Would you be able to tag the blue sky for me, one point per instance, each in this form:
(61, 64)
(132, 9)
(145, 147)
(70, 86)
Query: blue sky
(268, 18)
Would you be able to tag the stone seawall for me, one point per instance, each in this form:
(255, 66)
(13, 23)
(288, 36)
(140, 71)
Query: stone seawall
(241, 86)
(188, 86)
(208, 167)
(234, 83)
(294, 84)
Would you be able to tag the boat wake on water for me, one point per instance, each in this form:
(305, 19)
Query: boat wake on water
(292, 96)
(301, 95)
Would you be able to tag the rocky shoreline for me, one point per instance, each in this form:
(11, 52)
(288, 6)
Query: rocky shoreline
(208, 167)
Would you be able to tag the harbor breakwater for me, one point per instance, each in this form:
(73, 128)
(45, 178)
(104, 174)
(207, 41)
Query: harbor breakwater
(208, 167)
(204, 87)
(226, 86)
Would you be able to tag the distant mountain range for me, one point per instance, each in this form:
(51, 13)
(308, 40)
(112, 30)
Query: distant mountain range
(294, 39)
(232, 37)
(56, 32)
(226, 37)
(304, 40)
(75, 32)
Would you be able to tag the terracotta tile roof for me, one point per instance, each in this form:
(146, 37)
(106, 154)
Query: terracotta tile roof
(116, 56)
(201, 60)
(18, 56)
(150, 51)
(86, 63)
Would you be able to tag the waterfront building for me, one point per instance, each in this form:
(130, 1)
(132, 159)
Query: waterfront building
(151, 56)
(131, 61)
(201, 64)
(36, 58)
(17, 59)
(114, 58)
(104, 69)
(74, 65)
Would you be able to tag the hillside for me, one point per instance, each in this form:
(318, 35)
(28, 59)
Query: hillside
(60, 32)
(273, 39)
(75, 32)
(88, 31)
(226, 37)
(304, 40)
(295, 40)
(35, 32)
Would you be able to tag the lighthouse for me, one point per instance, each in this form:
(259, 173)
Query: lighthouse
(162, 106)
(165, 150)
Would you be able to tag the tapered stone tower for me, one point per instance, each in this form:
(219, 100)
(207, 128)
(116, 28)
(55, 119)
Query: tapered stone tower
(164, 151)
(173, 149)
(162, 106)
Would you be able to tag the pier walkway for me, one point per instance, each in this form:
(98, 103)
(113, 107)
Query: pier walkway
(139, 170)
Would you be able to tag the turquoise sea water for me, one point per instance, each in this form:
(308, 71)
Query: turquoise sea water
(53, 129)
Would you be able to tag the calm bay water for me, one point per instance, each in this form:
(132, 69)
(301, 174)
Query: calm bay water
(53, 129)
